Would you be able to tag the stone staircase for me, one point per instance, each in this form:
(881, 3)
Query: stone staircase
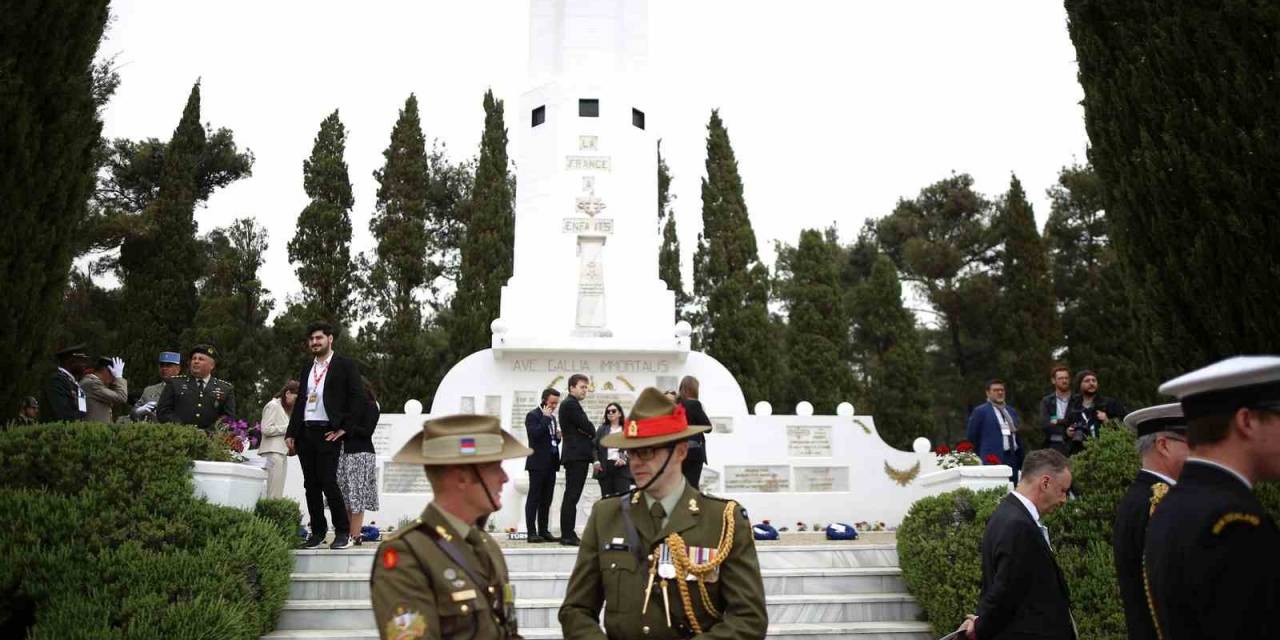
(828, 591)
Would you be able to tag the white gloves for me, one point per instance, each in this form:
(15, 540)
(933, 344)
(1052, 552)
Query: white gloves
(117, 367)
(149, 407)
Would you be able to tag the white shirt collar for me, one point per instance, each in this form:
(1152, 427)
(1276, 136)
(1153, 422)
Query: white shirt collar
(1031, 508)
(325, 360)
(1163, 477)
(1214, 463)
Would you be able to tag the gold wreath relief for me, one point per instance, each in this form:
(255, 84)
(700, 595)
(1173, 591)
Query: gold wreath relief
(902, 477)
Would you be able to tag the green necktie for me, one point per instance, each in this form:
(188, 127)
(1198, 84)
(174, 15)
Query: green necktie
(657, 512)
(478, 546)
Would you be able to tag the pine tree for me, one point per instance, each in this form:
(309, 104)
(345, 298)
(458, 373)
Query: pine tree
(731, 284)
(161, 262)
(489, 242)
(1028, 326)
(669, 254)
(233, 315)
(817, 329)
(321, 247)
(49, 133)
(1099, 323)
(1183, 114)
(888, 344)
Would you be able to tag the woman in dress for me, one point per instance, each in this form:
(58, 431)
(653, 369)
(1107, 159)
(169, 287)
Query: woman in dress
(358, 466)
(275, 422)
(612, 471)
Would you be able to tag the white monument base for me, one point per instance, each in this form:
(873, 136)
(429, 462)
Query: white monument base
(976, 478)
(230, 484)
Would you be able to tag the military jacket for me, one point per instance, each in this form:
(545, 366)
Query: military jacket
(427, 582)
(181, 401)
(1128, 538)
(1211, 559)
(610, 573)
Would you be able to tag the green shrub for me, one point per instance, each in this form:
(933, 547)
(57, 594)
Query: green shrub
(282, 512)
(101, 537)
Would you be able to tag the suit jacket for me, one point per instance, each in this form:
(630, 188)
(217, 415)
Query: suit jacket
(183, 402)
(1023, 592)
(64, 398)
(607, 466)
(696, 416)
(419, 590)
(102, 397)
(983, 430)
(578, 432)
(1127, 541)
(1211, 559)
(611, 576)
(1055, 430)
(275, 423)
(546, 455)
(343, 396)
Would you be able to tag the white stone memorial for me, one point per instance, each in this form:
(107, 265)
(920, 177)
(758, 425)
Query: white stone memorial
(585, 297)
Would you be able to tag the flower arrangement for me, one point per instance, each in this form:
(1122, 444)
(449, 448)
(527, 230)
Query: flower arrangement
(992, 459)
(239, 436)
(962, 456)
(870, 526)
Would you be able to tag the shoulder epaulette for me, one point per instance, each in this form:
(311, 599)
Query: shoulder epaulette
(1158, 491)
(395, 535)
(1251, 519)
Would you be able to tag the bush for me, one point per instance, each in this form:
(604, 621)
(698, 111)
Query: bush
(101, 537)
(284, 513)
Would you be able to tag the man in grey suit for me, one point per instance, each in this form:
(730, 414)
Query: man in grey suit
(104, 388)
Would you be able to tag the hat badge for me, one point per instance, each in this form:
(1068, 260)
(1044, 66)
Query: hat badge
(633, 429)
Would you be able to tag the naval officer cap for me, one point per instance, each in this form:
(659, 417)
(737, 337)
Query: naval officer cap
(76, 351)
(1157, 419)
(1223, 387)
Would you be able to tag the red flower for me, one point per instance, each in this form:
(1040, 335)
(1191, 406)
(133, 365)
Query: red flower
(964, 446)
(992, 459)
(942, 449)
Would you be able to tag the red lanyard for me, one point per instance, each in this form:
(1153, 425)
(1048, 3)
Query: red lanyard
(317, 374)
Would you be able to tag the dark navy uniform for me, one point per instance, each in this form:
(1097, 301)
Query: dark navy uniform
(184, 400)
(1213, 559)
(1127, 543)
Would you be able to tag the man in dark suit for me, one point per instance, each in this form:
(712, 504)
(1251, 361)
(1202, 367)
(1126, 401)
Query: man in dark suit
(576, 454)
(1023, 592)
(330, 404)
(1053, 410)
(198, 398)
(1162, 446)
(1210, 558)
(544, 438)
(66, 400)
(993, 429)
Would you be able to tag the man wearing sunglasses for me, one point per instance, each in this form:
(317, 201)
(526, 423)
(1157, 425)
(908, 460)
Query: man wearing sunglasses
(664, 560)
(1162, 446)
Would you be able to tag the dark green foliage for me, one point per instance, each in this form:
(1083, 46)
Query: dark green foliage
(49, 134)
(669, 254)
(887, 345)
(1027, 324)
(1099, 320)
(321, 247)
(1182, 108)
(816, 335)
(134, 555)
(233, 315)
(729, 281)
(489, 241)
(284, 513)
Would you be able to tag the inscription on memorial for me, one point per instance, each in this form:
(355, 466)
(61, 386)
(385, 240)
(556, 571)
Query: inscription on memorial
(588, 143)
(710, 480)
(757, 478)
(822, 479)
(721, 425)
(400, 477)
(588, 163)
(382, 438)
(587, 225)
(522, 402)
(582, 365)
(493, 406)
(809, 441)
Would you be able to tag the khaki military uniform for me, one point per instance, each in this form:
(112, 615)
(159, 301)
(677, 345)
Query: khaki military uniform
(430, 582)
(614, 565)
(183, 402)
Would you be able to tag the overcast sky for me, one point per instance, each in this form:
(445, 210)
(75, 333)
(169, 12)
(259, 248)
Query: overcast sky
(835, 109)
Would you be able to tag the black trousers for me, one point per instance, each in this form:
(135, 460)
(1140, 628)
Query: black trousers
(613, 479)
(575, 477)
(319, 459)
(692, 470)
(537, 509)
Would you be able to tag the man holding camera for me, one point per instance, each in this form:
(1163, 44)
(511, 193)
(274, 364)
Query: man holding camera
(1088, 411)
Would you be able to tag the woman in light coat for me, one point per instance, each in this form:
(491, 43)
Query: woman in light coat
(275, 422)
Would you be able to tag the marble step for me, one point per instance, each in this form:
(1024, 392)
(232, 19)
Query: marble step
(541, 612)
(561, 559)
(829, 631)
(355, 586)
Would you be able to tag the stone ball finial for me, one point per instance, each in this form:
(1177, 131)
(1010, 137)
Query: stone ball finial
(764, 408)
(498, 326)
(412, 407)
(921, 445)
(683, 329)
(844, 410)
(804, 408)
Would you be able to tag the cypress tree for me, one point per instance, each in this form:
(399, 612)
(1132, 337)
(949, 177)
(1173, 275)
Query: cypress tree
(489, 240)
(321, 247)
(817, 334)
(1027, 326)
(731, 284)
(1183, 114)
(669, 254)
(48, 136)
(890, 349)
(162, 261)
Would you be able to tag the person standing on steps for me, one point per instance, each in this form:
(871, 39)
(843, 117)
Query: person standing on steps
(611, 464)
(577, 453)
(443, 576)
(543, 432)
(688, 398)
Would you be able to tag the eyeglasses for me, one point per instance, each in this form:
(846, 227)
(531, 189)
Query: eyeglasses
(646, 453)
(612, 411)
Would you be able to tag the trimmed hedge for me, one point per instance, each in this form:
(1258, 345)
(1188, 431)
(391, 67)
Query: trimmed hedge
(284, 513)
(940, 538)
(101, 537)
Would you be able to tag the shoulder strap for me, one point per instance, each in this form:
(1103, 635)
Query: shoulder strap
(450, 549)
(629, 529)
